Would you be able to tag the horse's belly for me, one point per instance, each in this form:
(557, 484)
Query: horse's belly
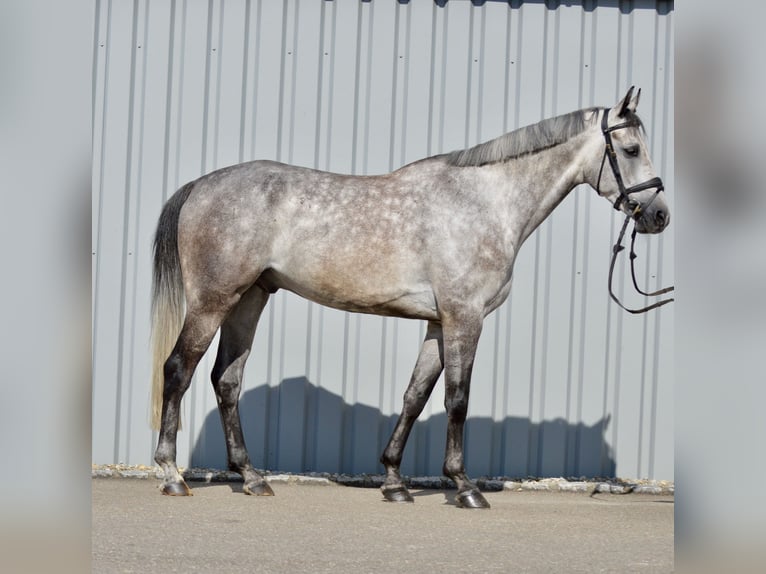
(408, 306)
(359, 294)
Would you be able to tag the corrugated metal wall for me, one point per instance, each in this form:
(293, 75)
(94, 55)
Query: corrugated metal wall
(565, 384)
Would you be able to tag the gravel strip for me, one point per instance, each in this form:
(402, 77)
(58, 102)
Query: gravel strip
(495, 484)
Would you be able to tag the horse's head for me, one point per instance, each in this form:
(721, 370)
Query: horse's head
(624, 174)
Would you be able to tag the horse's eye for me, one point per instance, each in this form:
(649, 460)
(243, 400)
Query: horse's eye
(631, 151)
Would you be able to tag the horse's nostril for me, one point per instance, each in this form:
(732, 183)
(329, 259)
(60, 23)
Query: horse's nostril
(661, 217)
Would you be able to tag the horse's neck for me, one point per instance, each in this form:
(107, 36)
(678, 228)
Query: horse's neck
(539, 182)
(534, 185)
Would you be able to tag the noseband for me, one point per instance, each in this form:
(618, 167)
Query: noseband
(654, 183)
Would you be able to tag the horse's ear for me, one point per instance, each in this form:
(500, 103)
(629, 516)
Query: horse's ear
(629, 103)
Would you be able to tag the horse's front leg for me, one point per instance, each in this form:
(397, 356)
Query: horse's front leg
(461, 338)
(427, 370)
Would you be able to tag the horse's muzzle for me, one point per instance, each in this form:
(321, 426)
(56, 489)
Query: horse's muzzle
(653, 220)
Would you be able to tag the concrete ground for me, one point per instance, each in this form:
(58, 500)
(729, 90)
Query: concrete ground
(339, 529)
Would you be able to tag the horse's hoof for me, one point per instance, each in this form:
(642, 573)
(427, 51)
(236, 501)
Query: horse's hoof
(471, 499)
(396, 494)
(176, 489)
(258, 489)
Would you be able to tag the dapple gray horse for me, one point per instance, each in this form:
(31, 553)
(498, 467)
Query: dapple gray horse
(435, 240)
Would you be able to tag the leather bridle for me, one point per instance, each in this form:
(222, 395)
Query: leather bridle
(654, 183)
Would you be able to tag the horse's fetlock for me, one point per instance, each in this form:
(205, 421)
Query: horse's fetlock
(390, 461)
(453, 466)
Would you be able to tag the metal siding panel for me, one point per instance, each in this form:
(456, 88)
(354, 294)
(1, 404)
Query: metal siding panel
(101, 417)
(660, 447)
(270, 59)
(114, 197)
(373, 338)
(329, 380)
(231, 84)
(306, 83)
(133, 399)
(381, 102)
(563, 383)
(404, 58)
(326, 92)
(457, 69)
(415, 132)
(346, 49)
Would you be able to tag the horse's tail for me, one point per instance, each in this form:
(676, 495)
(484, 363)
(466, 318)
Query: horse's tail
(167, 296)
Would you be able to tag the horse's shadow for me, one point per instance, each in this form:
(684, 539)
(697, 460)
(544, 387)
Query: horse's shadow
(298, 427)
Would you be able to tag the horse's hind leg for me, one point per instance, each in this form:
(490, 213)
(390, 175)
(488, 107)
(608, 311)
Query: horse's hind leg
(427, 370)
(236, 340)
(198, 330)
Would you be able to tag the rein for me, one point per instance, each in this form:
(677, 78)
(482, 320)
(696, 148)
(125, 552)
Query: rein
(620, 247)
(655, 183)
